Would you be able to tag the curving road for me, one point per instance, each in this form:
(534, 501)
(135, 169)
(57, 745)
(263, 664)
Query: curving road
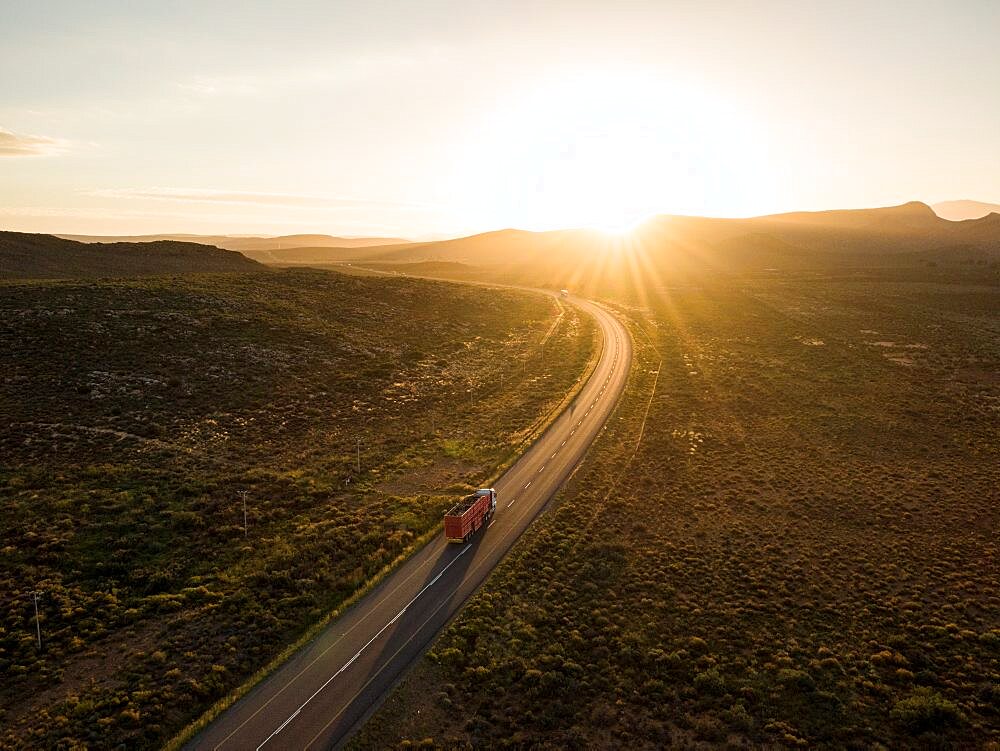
(327, 689)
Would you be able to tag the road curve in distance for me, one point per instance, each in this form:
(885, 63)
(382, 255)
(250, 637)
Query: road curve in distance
(325, 691)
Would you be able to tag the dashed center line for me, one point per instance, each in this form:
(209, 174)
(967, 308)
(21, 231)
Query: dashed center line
(350, 662)
(617, 350)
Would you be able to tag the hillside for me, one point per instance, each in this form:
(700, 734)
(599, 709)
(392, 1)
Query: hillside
(248, 243)
(786, 538)
(671, 248)
(901, 229)
(31, 256)
(132, 412)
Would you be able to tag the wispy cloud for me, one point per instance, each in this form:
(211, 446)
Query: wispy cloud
(238, 197)
(19, 144)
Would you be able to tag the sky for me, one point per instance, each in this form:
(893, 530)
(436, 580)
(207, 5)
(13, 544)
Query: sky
(432, 119)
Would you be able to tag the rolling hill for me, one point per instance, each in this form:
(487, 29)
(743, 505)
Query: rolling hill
(32, 256)
(898, 229)
(896, 236)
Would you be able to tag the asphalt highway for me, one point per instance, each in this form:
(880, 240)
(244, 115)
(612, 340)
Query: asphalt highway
(326, 690)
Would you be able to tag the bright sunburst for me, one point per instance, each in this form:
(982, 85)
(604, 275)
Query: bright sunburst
(605, 151)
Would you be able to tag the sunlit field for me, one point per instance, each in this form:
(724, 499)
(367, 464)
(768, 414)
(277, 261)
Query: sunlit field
(788, 537)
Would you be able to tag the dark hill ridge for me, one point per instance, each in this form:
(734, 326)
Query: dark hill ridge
(33, 256)
(906, 228)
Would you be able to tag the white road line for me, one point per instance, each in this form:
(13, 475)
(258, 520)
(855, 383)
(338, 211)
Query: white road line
(542, 469)
(527, 484)
(319, 656)
(399, 615)
(282, 726)
(358, 653)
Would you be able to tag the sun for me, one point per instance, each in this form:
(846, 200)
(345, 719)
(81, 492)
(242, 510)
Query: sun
(617, 230)
(603, 150)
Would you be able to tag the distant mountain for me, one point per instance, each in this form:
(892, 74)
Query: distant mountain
(958, 211)
(891, 229)
(896, 229)
(914, 213)
(668, 247)
(31, 256)
(908, 234)
(248, 242)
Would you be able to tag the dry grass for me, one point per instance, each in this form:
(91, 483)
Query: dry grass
(802, 552)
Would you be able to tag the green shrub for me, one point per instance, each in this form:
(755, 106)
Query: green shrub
(797, 680)
(926, 710)
(710, 682)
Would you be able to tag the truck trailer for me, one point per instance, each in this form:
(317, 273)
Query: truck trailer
(470, 514)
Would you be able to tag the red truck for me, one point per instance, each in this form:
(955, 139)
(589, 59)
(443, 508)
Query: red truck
(471, 513)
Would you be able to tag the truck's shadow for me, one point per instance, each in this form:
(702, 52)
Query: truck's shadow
(410, 635)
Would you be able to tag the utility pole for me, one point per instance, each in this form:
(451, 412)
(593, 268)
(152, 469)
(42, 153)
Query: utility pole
(244, 494)
(38, 625)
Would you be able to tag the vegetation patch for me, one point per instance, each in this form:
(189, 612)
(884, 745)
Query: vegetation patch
(353, 410)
